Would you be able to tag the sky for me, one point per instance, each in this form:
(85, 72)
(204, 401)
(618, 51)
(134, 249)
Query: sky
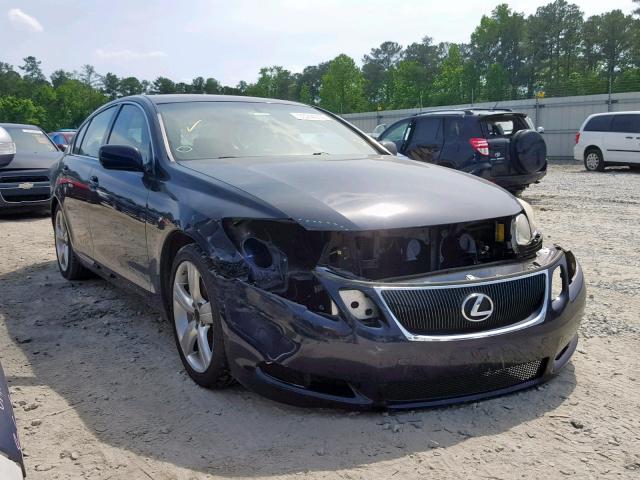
(230, 40)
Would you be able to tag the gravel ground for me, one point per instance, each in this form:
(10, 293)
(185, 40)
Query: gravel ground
(100, 392)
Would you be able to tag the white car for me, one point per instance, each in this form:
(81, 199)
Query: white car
(609, 139)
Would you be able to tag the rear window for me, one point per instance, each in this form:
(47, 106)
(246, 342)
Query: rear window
(601, 123)
(629, 123)
(30, 140)
(504, 125)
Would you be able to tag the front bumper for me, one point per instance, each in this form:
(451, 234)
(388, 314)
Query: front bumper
(288, 353)
(24, 189)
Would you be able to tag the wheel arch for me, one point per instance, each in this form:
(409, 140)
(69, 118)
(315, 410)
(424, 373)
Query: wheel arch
(54, 205)
(172, 245)
(591, 148)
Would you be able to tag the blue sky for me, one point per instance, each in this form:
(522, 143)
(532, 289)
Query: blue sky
(229, 40)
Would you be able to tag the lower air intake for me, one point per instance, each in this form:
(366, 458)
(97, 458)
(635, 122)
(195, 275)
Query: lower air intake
(464, 385)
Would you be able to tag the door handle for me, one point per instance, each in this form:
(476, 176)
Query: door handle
(630, 138)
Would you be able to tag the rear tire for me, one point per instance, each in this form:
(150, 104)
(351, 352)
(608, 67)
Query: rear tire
(68, 263)
(197, 325)
(593, 161)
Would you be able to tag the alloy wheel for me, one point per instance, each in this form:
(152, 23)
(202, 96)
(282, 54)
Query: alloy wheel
(62, 241)
(592, 161)
(193, 316)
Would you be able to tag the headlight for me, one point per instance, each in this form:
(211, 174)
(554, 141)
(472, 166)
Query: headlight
(528, 210)
(524, 228)
(521, 230)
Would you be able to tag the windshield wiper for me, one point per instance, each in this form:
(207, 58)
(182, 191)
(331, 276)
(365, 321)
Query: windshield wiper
(320, 153)
(226, 156)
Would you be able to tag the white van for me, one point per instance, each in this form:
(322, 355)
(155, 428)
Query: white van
(609, 139)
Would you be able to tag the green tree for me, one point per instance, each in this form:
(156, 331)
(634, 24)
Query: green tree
(556, 33)
(311, 77)
(89, 76)
(130, 86)
(197, 85)
(212, 86)
(58, 77)
(450, 81)
(305, 95)
(32, 70)
(498, 83)
(111, 85)
(376, 68)
(162, 85)
(21, 110)
(342, 86)
(411, 87)
(499, 40)
(273, 82)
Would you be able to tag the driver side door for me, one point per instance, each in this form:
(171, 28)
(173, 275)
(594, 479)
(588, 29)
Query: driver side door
(118, 220)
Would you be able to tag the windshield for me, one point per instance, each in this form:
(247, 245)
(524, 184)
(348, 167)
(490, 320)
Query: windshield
(204, 130)
(30, 140)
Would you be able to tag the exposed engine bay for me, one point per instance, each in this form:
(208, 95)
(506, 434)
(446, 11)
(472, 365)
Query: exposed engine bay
(282, 256)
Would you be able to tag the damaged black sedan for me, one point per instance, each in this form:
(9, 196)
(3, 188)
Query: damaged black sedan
(296, 255)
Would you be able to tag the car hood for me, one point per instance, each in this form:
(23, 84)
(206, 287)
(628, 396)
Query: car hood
(44, 160)
(362, 193)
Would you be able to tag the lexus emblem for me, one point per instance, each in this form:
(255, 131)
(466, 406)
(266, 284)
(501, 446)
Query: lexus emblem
(477, 307)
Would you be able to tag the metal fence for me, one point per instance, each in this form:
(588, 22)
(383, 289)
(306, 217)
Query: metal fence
(561, 117)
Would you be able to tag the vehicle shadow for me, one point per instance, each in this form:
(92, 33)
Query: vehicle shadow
(114, 360)
(24, 216)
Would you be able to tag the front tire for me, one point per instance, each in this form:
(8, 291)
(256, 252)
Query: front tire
(197, 325)
(593, 160)
(68, 263)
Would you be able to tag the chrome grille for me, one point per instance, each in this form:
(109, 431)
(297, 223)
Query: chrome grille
(438, 310)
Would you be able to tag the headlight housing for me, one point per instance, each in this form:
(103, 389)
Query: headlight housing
(523, 227)
(521, 230)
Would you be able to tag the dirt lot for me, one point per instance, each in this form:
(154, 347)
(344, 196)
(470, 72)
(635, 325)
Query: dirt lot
(100, 392)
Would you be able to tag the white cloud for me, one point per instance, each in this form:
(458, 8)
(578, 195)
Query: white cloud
(21, 19)
(127, 54)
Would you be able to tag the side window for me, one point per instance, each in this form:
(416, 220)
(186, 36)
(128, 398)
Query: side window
(453, 129)
(78, 139)
(626, 123)
(397, 133)
(96, 133)
(600, 123)
(130, 128)
(428, 131)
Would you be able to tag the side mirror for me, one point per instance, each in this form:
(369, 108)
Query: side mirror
(540, 129)
(389, 145)
(121, 157)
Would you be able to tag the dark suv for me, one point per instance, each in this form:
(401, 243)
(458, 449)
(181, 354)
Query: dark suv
(499, 145)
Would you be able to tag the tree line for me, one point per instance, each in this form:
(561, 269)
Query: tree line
(556, 51)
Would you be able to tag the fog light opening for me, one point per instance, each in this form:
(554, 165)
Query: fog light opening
(360, 306)
(557, 283)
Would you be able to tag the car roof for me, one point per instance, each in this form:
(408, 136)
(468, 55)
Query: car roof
(636, 112)
(19, 125)
(480, 112)
(194, 97)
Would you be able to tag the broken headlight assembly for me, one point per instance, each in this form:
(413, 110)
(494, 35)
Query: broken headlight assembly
(281, 256)
(525, 236)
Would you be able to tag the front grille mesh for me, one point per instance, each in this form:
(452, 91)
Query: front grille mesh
(438, 311)
(463, 385)
(11, 179)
